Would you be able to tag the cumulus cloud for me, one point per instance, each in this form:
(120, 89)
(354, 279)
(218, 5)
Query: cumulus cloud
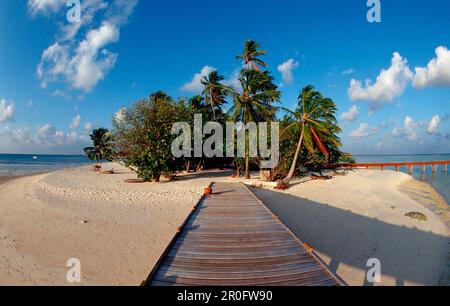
(365, 130)
(75, 122)
(286, 70)
(195, 84)
(45, 6)
(437, 72)
(78, 58)
(89, 9)
(361, 131)
(407, 131)
(43, 139)
(390, 84)
(7, 111)
(87, 66)
(46, 130)
(351, 115)
(233, 80)
(120, 115)
(433, 126)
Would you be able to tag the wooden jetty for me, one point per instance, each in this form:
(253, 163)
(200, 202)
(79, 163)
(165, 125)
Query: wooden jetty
(408, 165)
(232, 239)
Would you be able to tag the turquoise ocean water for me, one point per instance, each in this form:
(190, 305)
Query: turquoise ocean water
(440, 181)
(18, 164)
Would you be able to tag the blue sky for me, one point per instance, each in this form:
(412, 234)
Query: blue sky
(59, 80)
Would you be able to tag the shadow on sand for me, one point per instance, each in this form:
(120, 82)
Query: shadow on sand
(406, 254)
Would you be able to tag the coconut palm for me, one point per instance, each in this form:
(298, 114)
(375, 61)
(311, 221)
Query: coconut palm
(315, 120)
(252, 50)
(103, 146)
(214, 91)
(255, 102)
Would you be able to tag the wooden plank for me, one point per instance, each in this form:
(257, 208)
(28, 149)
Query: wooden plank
(232, 238)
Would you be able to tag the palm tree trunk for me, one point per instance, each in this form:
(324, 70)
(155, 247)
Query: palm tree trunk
(200, 166)
(247, 156)
(289, 177)
(212, 105)
(188, 166)
(247, 167)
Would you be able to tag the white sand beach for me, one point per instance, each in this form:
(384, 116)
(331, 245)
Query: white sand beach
(119, 230)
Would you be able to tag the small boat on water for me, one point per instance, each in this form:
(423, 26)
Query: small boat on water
(35, 157)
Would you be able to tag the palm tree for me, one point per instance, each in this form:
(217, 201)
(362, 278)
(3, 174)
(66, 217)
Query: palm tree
(102, 145)
(254, 103)
(252, 50)
(215, 92)
(316, 121)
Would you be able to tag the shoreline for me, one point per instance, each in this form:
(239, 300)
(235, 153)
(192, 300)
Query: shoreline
(429, 197)
(119, 230)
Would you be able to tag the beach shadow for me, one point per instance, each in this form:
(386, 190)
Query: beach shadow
(406, 254)
(206, 174)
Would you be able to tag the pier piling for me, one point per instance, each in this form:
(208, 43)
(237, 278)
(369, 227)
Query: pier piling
(409, 165)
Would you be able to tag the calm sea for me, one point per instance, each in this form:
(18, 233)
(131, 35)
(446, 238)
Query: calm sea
(17, 164)
(440, 181)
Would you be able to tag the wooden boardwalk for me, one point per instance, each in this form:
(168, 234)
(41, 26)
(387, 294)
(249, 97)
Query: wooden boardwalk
(232, 239)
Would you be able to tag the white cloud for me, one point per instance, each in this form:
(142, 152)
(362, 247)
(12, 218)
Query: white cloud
(75, 122)
(361, 131)
(286, 70)
(87, 66)
(437, 72)
(233, 81)
(120, 115)
(348, 71)
(88, 127)
(89, 9)
(351, 115)
(390, 84)
(195, 84)
(7, 111)
(45, 139)
(365, 130)
(433, 126)
(46, 130)
(82, 61)
(45, 6)
(407, 131)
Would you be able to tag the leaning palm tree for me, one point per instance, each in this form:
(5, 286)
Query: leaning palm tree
(214, 91)
(252, 50)
(255, 102)
(103, 147)
(316, 121)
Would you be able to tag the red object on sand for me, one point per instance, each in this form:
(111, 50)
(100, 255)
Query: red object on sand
(208, 191)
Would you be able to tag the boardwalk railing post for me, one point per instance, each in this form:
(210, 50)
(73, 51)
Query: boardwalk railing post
(410, 169)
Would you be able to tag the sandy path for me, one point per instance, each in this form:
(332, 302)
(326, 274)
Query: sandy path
(128, 226)
(349, 220)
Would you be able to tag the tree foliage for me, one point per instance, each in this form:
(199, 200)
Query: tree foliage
(102, 146)
(144, 136)
(309, 139)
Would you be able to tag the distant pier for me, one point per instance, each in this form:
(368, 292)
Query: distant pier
(443, 164)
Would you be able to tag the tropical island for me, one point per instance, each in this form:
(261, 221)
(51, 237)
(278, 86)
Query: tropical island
(118, 215)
